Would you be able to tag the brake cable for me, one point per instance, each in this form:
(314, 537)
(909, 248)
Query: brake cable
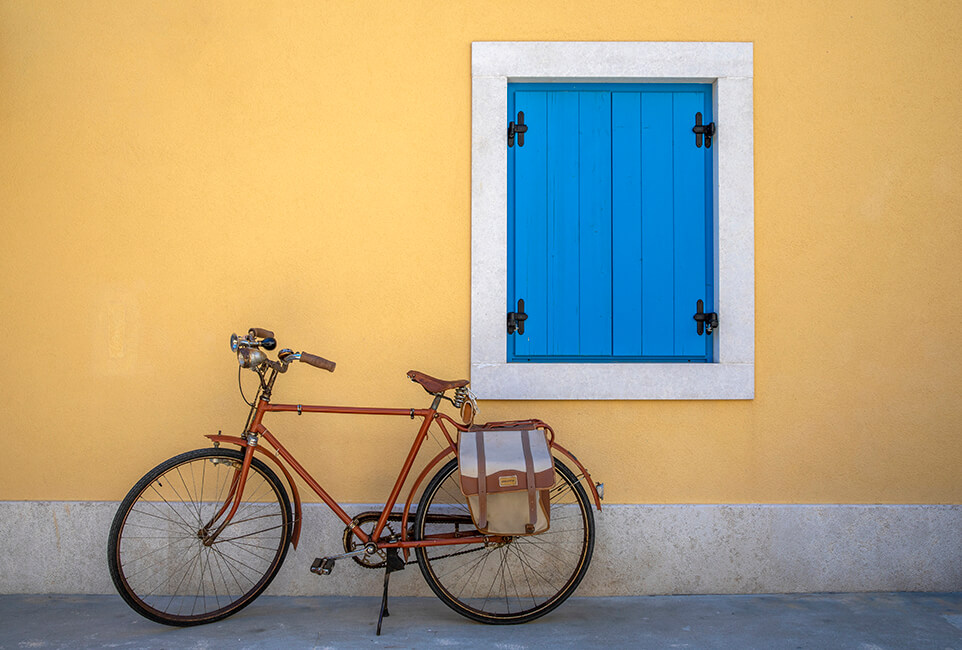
(241, 387)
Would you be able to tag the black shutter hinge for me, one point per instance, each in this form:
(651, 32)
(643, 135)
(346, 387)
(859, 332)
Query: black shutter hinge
(516, 319)
(520, 128)
(706, 130)
(705, 322)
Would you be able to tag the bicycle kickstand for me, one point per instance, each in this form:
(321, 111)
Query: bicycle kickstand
(394, 563)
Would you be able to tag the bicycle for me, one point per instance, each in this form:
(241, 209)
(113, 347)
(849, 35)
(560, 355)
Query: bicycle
(201, 535)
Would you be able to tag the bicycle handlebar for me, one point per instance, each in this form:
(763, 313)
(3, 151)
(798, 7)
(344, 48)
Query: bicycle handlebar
(317, 362)
(249, 356)
(288, 356)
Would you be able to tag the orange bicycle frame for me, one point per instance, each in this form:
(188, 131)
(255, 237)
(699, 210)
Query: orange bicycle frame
(256, 431)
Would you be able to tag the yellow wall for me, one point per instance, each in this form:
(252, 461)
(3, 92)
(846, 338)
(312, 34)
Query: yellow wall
(174, 171)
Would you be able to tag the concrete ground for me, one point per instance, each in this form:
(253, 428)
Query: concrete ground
(859, 621)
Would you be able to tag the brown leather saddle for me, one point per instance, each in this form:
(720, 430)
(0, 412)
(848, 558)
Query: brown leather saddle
(434, 385)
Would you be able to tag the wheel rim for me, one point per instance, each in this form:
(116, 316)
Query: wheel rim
(519, 580)
(164, 565)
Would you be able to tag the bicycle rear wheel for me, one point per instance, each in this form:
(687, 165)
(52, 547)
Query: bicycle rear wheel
(156, 552)
(511, 582)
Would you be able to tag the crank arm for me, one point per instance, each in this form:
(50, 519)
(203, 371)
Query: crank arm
(339, 556)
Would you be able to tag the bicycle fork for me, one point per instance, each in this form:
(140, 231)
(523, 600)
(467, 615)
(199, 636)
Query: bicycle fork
(233, 499)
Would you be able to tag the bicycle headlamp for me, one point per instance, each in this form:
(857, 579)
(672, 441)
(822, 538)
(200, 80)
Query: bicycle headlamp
(250, 357)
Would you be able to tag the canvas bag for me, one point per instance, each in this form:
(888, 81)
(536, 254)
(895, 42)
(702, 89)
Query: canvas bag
(506, 475)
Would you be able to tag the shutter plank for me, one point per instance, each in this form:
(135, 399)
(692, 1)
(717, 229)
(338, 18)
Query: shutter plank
(530, 226)
(689, 164)
(595, 223)
(562, 230)
(657, 246)
(626, 223)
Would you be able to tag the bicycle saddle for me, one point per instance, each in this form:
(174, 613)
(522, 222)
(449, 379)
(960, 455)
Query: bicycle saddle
(433, 384)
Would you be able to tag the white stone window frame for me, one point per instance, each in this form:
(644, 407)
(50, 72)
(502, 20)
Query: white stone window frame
(728, 67)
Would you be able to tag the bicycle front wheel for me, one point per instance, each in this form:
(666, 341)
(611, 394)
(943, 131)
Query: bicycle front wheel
(511, 582)
(162, 556)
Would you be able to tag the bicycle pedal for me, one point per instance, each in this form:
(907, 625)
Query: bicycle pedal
(323, 566)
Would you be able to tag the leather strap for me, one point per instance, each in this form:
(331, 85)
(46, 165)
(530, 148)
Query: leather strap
(532, 493)
(482, 483)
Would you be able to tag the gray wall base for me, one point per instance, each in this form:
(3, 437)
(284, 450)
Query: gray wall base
(60, 547)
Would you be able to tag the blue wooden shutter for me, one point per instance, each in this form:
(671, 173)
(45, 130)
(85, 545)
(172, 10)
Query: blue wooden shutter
(609, 222)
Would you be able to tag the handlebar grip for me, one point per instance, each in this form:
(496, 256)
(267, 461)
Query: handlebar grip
(261, 333)
(318, 362)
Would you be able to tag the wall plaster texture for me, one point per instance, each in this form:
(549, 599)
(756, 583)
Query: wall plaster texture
(60, 547)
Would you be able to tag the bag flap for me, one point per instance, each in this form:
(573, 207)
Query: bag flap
(504, 460)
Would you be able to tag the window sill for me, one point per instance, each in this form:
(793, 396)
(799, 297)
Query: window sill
(564, 381)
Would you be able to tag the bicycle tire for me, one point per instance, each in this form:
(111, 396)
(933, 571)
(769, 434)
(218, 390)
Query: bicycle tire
(158, 561)
(530, 575)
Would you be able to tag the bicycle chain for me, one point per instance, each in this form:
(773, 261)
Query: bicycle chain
(441, 557)
(364, 518)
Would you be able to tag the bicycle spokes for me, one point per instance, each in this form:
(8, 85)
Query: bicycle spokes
(167, 564)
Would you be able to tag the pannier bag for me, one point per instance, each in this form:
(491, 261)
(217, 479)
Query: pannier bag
(506, 475)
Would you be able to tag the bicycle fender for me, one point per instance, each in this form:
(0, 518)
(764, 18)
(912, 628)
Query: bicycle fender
(591, 484)
(234, 440)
